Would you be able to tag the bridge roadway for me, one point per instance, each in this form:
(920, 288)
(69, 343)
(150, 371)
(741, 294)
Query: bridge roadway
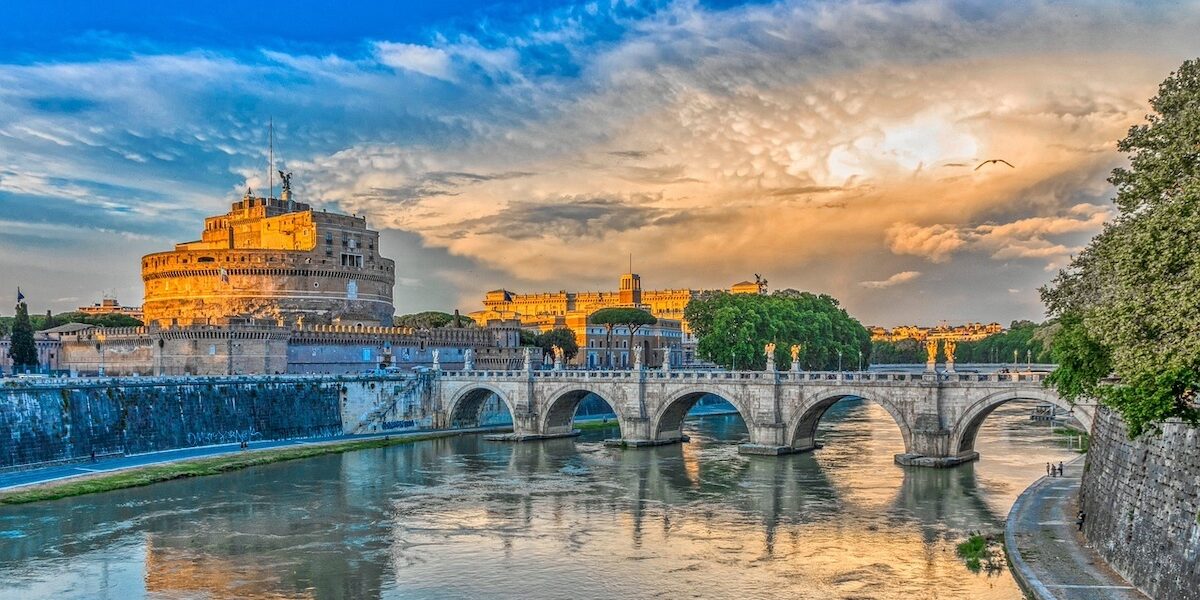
(938, 413)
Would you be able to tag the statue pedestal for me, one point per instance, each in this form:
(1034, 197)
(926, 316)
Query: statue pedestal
(795, 366)
(949, 366)
(930, 367)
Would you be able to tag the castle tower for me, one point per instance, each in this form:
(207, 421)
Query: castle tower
(631, 289)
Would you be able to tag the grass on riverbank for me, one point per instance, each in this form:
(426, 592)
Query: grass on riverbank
(978, 554)
(596, 424)
(200, 467)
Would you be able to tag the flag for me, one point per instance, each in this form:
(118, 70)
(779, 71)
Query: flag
(20, 296)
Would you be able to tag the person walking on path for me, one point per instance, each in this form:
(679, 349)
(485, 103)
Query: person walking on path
(1060, 468)
(1079, 519)
(1047, 469)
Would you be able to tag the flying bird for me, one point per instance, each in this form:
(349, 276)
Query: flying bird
(995, 160)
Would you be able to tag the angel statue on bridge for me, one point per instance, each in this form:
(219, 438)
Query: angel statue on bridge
(795, 353)
(931, 351)
(769, 350)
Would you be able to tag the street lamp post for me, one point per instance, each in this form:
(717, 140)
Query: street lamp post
(860, 361)
(839, 361)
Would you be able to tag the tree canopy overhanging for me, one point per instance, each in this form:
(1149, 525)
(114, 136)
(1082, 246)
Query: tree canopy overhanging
(733, 329)
(1129, 303)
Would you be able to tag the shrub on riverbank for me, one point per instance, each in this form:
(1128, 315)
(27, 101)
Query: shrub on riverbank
(977, 553)
(596, 424)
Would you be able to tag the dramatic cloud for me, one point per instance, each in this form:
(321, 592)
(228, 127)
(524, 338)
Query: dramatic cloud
(824, 144)
(935, 242)
(898, 278)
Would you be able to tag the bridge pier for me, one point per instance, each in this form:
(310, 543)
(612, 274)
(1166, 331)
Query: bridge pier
(936, 462)
(770, 439)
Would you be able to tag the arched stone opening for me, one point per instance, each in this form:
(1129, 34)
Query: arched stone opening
(667, 425)
(802, 432)
(478, 406)
(560, 415)
(967, 429)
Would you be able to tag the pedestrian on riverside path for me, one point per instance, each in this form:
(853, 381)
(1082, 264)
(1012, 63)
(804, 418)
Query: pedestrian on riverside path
(1079, 519)
(1048, 469)
(1060, 468)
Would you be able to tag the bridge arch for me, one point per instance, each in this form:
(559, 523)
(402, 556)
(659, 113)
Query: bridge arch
(667, 423)
(962, 440)
(802, 429)
(464, 408)
(559, 415)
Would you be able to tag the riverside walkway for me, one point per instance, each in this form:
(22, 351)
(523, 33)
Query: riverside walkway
(1050, 559)
(13, 480)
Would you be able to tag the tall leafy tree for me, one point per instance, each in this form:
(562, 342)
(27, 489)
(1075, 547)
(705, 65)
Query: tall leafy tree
(631, 318)
(1128, 302)
(733, 329)
(563, 338)
(23, 349)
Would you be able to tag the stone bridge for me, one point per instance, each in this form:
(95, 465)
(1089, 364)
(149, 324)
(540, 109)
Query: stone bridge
(938, 414)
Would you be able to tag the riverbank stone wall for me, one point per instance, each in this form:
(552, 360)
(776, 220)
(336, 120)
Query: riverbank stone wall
(62, 421)
(1142, 499)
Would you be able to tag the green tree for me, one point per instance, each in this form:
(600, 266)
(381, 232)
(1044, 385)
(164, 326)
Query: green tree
(528, 338)
(23, 349)
(107, 320)
(1128, 301)
(631, 318)
(431, 319)
(563, 338)
(898, 352)
(732, 329)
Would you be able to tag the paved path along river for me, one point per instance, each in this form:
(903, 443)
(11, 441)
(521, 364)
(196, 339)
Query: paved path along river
(1051, 556)
(16, 479)
(464, 517)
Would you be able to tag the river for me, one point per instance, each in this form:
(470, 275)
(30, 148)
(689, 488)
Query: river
(468, 518)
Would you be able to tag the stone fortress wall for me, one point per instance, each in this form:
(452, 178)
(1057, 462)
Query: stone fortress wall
(268, 349)
(51, 421)
(1142, 499)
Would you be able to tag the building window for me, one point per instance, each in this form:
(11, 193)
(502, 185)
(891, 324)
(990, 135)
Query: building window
(352, 260)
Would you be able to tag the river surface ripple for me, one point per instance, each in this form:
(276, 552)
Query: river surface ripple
(467, 518)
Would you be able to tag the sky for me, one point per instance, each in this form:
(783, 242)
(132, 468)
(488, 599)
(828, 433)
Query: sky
(535, 146)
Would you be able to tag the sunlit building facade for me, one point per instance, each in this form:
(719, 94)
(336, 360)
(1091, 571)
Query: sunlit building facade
(670, 337)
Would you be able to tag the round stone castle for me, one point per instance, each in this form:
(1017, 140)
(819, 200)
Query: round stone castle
(272, 259)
